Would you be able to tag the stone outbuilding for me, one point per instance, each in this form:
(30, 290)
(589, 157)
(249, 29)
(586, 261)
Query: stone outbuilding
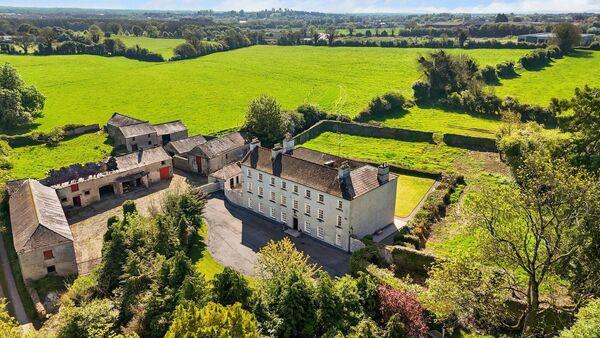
(41, 234)
(217, 153)
(133, 134)
(82, 185)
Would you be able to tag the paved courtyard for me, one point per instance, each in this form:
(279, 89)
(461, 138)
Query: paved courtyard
(88, 224)
(235, 236)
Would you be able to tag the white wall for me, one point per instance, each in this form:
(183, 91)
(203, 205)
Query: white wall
(374, 210)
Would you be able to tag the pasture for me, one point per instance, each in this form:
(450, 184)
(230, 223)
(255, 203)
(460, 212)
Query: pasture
(163, 47)
(211, 93)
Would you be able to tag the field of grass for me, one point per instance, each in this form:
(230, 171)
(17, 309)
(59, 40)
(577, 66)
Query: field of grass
(409, 192)
(160, 46)
(559, 79)
(211, 93)
(35, 161)
(415, 155)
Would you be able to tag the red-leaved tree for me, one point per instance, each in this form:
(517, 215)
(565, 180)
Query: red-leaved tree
(407, 306)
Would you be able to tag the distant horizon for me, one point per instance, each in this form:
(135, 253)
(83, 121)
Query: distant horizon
(365, 7)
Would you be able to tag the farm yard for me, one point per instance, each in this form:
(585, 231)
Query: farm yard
(211, 93)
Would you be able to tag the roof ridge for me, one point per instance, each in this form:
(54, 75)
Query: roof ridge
(158, 124)
(35, 206)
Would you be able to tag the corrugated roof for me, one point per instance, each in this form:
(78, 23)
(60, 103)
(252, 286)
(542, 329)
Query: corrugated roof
(218, 146)
(169, 127)
(311, 174)
(141, 157)
(120, 120)
(37, 217)
(135, 130)
(186, 145)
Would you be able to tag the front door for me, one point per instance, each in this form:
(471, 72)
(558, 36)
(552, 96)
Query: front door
(295, 223)
(199, 164)
(231, 183)
(77, 201)
(165, 173)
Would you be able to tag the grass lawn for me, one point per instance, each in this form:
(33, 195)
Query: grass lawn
(35, 161)
(211, 93)
(409, 192)
(156, 45)
(559, 79)
(416, 155)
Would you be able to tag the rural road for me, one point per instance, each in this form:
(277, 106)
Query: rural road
(12, 293)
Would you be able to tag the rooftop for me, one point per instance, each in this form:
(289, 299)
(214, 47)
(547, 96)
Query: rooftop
(120, 120)
(139, 129)
(223, 144)
(169, 127)
(308, 168)
(37, 217)
(186, 145)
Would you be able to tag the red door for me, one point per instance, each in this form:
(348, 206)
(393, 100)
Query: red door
(165, 173)
(199, 163)
(77, 201)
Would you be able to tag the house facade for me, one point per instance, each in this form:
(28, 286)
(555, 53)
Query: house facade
(41, 234)
(115, 176)
(323, 196)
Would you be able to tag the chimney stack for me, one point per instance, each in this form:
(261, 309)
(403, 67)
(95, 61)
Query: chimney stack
(288, 143)
(383, 173)
(344, 170)
(254, 144)
(277, 149)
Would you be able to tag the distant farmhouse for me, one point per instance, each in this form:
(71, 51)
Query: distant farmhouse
(134, 134)
(586, 39)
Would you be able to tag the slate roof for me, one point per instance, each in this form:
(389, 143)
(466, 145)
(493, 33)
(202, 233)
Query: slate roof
(323, 158)
(120, 120)
(186, 145)
(141, 158)
(37, 217)
(228, 171)
(218, 146)
(169, 127)
(137, 130)
(312, 174)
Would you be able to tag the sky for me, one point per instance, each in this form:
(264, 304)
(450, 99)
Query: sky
(331, 6)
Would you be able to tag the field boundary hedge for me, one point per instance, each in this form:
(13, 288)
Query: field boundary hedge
(30, 139)
(369, 130)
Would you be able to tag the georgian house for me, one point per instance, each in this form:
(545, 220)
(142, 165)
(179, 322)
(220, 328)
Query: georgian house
(320, 195)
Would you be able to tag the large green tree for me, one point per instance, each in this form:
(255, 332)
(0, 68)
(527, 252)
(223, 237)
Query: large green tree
(19, 104)
(566, 36)
(266, 121)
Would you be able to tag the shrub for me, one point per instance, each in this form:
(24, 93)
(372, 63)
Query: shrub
(554, 52)
(361, 259)
(489, 75)
(530, 112)
(129, 208)
(382, 106)
(506, 69)
(535, 59)
(421, 90)
(405, 305)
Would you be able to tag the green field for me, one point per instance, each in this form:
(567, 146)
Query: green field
(409, 192)
(160, 46)
(36, 161)
(211, 93)
(559, 79)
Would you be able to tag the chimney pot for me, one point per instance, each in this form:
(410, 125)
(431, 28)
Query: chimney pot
(277, 149)
(383, 173)
(344, 170)
(288, 143)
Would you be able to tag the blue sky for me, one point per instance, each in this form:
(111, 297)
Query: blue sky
(336, 6)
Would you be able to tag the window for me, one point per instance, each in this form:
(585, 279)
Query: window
(75, 187)
(149, 143)
(273, 181)
(249, 203)
(250, 187)
(272, 212)
(283, 200)
(162, 162)
(260, 208)
(64, 199)
(321, 198)
(307, 193)
(283, 185)
(295, 207)
(272, 196)
(295, 189)
(283, 217)
(260, 191)
(339, 205)
(307, 227)
(249, 173)
(260, 177)
(320, 215)
(338, 239)
(339, 221)
(48, 254)
(51, 269)
(87, 192)
(320, 232)
(133, 138)
(307, 209)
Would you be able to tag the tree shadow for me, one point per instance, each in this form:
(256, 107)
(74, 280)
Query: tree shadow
(578, 53)
(20, 130)
(537, 68)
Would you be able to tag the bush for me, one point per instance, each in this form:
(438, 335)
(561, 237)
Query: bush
(535, 59)
(506, 69)
(489, 75)
(382, 106)
(421, 90)
(129, 208)
(530, 112)
(554, 52)
(361, 259)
